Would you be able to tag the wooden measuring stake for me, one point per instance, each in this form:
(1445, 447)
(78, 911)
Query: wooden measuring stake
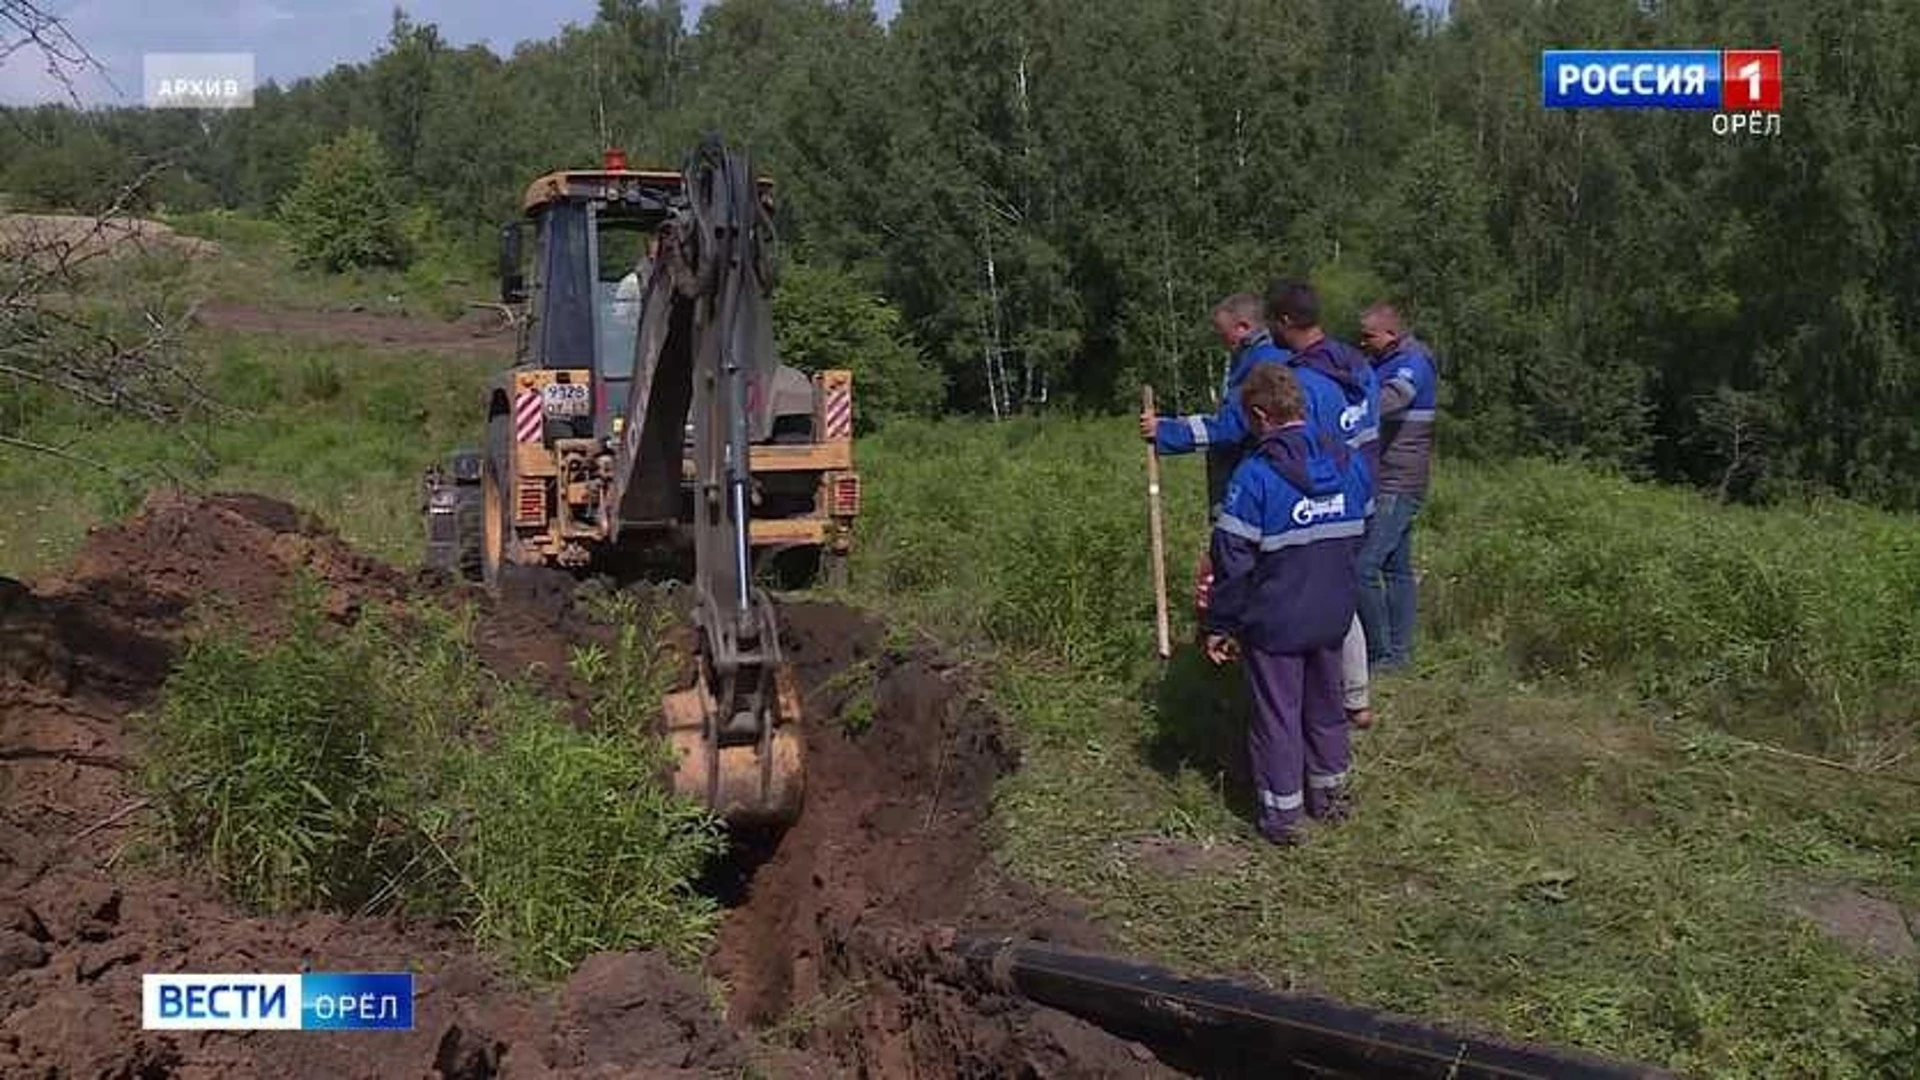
(1159, 534)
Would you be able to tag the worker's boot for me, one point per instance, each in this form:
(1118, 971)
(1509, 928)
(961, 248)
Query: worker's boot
(1329, 806)
(1285, 834)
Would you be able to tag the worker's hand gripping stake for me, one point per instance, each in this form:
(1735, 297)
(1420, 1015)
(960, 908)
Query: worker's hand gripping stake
(1159, 535)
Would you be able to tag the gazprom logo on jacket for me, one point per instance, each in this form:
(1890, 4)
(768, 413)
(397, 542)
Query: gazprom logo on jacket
(1351, 416)
(1309, 510)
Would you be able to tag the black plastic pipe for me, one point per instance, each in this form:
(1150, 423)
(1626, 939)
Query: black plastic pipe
(1225, 1029)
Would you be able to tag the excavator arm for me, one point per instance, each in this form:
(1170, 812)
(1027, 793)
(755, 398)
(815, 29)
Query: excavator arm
(705, 356)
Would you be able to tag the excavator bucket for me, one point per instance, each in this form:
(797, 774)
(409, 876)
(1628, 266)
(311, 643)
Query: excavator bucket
(757, 783)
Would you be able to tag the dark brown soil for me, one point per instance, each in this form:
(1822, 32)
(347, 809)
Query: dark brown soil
(479, 331)
(225, 556)
(828, 942)
(80, 921)
(890, 850)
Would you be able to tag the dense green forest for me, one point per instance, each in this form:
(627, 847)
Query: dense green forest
(1051, 193)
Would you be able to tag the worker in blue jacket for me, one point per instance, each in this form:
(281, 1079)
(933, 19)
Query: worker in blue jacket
(1343, 392)
(1224, 435)
(1343, 406)
(1286, 586)
(1409, 401)
(1240, 323)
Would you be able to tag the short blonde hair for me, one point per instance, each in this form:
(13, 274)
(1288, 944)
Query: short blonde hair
(1243, 306)
(1274, 391)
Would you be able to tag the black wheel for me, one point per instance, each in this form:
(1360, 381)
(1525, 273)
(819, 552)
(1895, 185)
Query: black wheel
(835, 571)
(469, 532)
(787, 569)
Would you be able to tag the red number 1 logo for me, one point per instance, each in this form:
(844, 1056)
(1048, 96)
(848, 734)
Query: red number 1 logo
(1750, 79)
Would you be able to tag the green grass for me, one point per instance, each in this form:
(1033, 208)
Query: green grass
(628, 680)
(1570, 828)
(256, 267)
(1560, 836)
(340, 430)
(383, 768)
(1795, 625)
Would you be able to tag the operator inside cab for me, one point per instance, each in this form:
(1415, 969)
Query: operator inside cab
(622, 302)
(634, 285)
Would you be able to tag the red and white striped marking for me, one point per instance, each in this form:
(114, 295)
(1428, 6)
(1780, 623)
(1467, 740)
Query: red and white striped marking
(529, 415)
(840, 414)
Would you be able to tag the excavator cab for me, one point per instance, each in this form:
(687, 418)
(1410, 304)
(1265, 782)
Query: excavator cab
(597, 241)
(648, 404)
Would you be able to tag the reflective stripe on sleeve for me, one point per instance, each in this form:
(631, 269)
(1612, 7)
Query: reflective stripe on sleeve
(1233, 526)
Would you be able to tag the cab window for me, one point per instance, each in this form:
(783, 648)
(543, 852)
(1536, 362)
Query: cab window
(617, 284)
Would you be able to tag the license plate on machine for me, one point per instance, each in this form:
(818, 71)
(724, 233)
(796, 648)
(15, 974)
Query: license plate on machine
(564, 399)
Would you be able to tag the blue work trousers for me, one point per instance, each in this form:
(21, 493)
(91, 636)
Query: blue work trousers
(1387, 592)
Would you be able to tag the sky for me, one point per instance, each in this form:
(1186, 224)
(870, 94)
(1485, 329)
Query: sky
(288, 38)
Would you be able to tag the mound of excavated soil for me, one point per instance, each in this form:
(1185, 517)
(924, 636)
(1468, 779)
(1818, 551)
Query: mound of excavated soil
(78, 924)
(827, 938)
(235, 556)
(47, 237)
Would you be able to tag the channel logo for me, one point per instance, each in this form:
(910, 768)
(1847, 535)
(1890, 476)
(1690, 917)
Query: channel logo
(333, 1001)
(1727, 80)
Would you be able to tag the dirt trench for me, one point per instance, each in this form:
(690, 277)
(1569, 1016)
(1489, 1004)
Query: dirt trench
(825, 953)
(831, 940)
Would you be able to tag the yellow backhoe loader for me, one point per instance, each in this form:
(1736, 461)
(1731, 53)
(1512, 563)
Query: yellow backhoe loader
(648, 404)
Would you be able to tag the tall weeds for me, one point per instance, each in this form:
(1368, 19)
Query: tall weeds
(383, 768)
(1795, 624)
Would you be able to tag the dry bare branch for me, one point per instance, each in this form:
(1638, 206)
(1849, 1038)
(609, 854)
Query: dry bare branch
(26, 28)
(54, 335)
(64, 455)
(107, 354)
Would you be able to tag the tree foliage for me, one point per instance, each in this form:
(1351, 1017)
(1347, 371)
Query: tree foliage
(1052, 194)
(825, 318)
(343, 213)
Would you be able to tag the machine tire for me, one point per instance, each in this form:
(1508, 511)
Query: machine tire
(495, 524)
(469, 533)
(835, 572)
